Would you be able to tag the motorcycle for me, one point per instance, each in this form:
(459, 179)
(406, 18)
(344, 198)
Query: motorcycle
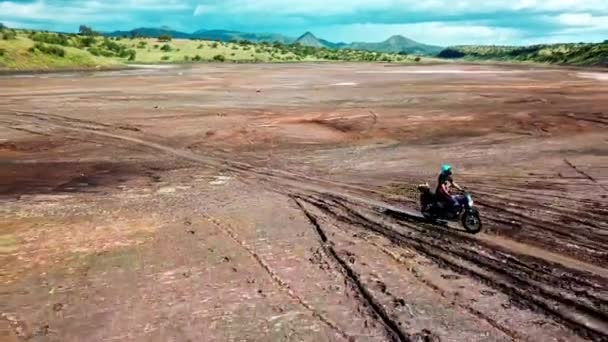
(465, 211)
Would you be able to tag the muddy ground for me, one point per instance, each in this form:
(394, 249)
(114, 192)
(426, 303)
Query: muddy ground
(278, 203)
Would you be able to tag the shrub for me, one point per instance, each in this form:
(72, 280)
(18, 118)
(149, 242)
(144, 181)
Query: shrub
(233, 54)
(131, 54)
(113, 46)
(197, 58)
(219, 58)
(186, 58)
(156, 46)
(86, 41)
(48, 49)
(164, 38)
(84, 30)
(200, 46)
(2, 52)
(9, 34)
(166, 48)
(94, 51)
(165, 58)
(417, 59)
(50, 38)
(214, 45)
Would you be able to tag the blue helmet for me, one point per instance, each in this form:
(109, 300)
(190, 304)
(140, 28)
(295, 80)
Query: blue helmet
(446, 168)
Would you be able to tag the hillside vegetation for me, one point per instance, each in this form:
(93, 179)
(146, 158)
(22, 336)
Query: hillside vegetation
(394, 44)
(588, 54)
(36, 50)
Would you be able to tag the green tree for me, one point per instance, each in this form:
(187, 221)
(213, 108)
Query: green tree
(84, 30)
(164, 38)
(166, 48)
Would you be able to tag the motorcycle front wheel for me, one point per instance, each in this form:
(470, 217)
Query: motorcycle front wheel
(471, 221)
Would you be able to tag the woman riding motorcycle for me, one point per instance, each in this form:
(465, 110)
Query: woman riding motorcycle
(444, 183)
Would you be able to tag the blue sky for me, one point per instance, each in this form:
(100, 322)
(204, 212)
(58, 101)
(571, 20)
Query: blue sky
(442, 22)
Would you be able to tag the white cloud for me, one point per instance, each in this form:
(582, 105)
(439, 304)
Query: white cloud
(92, 10)
(582, 20)
(445, 7)
(431, 33)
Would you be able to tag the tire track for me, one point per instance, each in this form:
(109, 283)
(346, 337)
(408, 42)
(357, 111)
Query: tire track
(588, 321)
(394, 332)
(515, 336)
(280, 283)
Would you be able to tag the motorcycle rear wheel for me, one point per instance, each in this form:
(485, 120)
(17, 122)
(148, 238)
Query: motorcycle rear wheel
(471, 221)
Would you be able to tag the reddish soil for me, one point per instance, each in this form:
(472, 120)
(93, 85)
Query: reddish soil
(278, 202)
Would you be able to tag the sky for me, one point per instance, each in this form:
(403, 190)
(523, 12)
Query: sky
(440, 22)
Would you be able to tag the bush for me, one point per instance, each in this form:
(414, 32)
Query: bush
(86, 41)
(48, 49)
(233, 54)
(131, 54)
(142, 44)
(50, 38)
(84, 30)
(165, 58)
(9, 35)
(113, 46)
(219, 58)
(200, 46)
(197, 58)
(186, 58)
(164, 38)
(94, 51)
(166, 48)
(214, 45)
(417, 59)
(156, 46)
(2, 51)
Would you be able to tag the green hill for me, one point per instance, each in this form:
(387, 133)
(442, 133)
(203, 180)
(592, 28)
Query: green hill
(398, 44)
(591, 54)
(309, 39)
(37, 50)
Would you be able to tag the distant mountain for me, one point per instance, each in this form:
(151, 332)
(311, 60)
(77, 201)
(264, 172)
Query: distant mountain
(398, 44)
(395, 44)
(309, 39)
(148, 32)
(226, 36)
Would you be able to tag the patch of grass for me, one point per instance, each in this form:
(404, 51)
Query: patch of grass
(166, 48)
(575, 53)
(8, 34)
(18, 56)
(88, 50)
(48, 49)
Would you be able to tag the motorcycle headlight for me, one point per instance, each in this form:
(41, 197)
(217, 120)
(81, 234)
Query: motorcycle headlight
(470, 199)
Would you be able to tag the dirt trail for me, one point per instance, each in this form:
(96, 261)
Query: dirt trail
(524, 274)
(375, 270)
